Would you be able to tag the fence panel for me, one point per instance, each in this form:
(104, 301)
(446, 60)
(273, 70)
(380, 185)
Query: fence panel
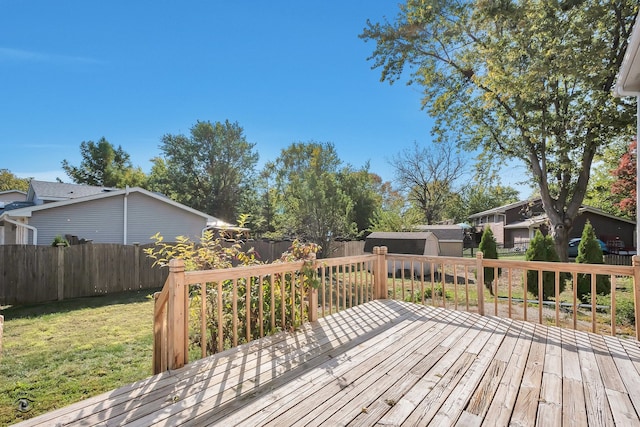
(33, 274)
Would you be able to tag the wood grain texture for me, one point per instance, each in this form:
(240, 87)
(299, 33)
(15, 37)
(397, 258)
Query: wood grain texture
(388, 362)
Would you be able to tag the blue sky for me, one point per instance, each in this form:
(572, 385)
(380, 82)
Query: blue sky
(132, 71)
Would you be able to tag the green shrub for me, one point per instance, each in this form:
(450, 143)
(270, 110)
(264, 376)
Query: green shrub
(489, 249)
(59, 240)
(625, 309)
(542, 248)
(213, 252)
(590, 252)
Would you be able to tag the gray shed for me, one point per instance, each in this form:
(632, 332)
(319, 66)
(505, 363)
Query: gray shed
(405, 243)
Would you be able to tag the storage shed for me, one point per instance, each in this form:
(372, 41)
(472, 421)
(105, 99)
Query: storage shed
(405, 243)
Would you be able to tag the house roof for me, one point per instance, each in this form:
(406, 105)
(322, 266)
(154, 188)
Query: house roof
(401, 235)
(628, 82)
(13, 191)
(539, 219)
(503, 208)
(28, 211)
(54, 191)
(444, 232)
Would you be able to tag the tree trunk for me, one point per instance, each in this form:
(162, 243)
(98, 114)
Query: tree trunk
(560, 234)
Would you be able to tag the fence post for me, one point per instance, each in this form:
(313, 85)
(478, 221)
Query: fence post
(136, 265)
(1, 331)
(177, 315)
(380, 272)
(635, 262)
(60, 269)
(480, 282)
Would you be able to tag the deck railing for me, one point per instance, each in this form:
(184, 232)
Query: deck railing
(219, 309)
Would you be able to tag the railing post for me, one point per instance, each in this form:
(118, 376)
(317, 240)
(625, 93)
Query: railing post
(380, 272)
(635, 262)
(159, 335)
(480, 282)
(177, 315)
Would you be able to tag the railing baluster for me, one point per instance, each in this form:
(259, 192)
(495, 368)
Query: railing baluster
(330, 290)
(234, 309)
(350, 281)
(593, 303)
(302, 296)
(433, 285)
(283, 302)
(322, 286)
(293, 300)
(247, 307)
(510, 291)
(443, 277)
(220, 318)
(455, 286)
(272, 308)
(557, 289)
(575, 300)
(613, 304)
(422, 282)
(466, 286)
(495, 290)
(203, 319)
(261, 305)
(540, 296)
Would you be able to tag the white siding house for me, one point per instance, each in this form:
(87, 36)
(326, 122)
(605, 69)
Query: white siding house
(125, 216)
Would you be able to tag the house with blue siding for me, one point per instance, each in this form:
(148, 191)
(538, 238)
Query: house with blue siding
(98, 214)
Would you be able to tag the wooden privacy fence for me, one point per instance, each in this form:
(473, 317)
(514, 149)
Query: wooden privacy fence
(33, 274)
(203, 312)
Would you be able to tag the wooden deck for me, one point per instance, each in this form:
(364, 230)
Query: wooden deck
(389, 363)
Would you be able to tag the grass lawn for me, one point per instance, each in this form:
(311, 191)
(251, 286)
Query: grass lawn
(58, 353)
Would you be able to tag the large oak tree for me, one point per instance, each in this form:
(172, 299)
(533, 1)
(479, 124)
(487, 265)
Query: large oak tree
(529, 80)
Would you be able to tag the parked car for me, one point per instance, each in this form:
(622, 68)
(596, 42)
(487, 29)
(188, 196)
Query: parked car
(574, 243)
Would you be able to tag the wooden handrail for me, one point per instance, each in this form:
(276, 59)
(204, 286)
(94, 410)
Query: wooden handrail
(343, 282)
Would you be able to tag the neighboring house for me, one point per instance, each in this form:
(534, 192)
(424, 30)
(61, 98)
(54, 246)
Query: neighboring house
(101, 215)
(501, 217)
(450, 237)
(514, 225)
(7, 197)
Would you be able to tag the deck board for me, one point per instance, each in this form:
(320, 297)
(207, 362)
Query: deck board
(389, 363)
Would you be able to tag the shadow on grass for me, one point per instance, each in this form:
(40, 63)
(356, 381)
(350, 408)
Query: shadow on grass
(51, 307)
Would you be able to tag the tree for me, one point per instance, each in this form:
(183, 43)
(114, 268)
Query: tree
(311, 202)
(211, 170)
(104, 165)
(626, 181)
(8, 181)
(366, 191)
(484, 192)
(428, 177)
(600, 192)
(489, 248)
(396, 216)
(541, 248)
(525, 80)
(589, 251)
